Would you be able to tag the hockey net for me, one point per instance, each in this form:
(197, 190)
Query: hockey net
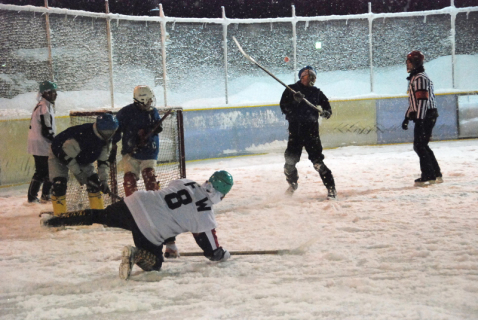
(170, 164)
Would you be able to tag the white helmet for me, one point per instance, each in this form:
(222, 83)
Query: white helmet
(144, 96)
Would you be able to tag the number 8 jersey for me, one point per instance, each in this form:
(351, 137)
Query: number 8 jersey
(184, 206)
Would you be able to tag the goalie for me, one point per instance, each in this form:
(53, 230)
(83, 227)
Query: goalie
(138, 129)
(155, 216)
(75, 150)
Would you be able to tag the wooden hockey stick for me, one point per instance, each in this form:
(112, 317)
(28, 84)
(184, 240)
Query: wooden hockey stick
(248, 57)
(239, 253)
(146, 137)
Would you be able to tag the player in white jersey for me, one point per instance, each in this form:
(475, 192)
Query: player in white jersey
(41, 133)
(422, 110)
(155, 216)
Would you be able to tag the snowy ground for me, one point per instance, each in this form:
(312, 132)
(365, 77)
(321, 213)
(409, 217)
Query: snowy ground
(384, 250)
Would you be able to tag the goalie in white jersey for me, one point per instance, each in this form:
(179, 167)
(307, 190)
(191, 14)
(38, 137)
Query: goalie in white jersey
(155, 216)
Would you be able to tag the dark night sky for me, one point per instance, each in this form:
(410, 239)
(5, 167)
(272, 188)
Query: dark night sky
(248, 8)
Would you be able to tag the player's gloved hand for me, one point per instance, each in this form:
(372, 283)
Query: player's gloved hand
(93, 183)
(220, 255)
(104, 187)
(82, 178)
(298, 96)
(159, 128)
(405, 124)
(171, 251)
(326, 114)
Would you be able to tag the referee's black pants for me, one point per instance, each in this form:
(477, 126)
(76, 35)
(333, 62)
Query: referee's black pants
(422, 134)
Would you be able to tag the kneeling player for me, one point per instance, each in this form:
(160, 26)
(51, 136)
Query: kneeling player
(155, 216)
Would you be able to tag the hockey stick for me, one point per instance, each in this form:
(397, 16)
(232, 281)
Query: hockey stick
(239, 253)
(248, 57)
(146, 137)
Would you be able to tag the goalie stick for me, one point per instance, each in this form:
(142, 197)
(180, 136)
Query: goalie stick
(248, 57)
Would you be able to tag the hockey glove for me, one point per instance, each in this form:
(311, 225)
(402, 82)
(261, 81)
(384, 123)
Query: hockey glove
(220, 255)
(326, 114)
(298, 96)
(157, 128)
(104, 187)
(171, 251)
(405, 124)
(93, 183)
(81, 177)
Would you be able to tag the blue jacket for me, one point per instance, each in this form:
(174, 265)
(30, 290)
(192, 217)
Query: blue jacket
(131, 120)
(301, 112)
(90, 144)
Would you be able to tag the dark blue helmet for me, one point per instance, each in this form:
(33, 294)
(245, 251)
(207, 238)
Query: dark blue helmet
(106, 124)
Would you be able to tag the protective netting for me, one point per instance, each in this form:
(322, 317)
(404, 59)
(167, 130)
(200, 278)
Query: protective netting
(169, 165)
(23, 53)
(393, 38)
(137, 57)
(333, 45)
(195, 53)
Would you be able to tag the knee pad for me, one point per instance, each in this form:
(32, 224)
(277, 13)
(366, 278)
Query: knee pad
(291, 173)
(59, 186)
(320, 167)
(291, 160)
(129, 183)
(149, 176)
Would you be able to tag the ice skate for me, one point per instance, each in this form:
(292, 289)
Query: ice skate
(292, 187)
(439, 179)
(422, 182)
(127, 262)
(331, 193)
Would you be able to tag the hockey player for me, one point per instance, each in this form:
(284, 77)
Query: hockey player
(422, 110)
(154, 216)
(41, 133)
(136, 121)
(304, 129)
(139, 156)
(75, 150)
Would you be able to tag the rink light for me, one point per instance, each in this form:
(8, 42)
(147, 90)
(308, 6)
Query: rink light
(318, 45)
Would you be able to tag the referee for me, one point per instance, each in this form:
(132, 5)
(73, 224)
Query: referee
(422, 110)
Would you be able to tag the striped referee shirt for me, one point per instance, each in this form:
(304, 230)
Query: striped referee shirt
(421, 96)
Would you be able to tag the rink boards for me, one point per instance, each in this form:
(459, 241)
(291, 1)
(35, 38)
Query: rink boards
(236, 131)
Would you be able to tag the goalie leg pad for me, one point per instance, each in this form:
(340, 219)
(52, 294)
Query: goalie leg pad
(59, 204)
(149, 177)
(96, 200)
(130, 183)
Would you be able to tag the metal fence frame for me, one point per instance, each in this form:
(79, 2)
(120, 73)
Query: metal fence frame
(452, 11)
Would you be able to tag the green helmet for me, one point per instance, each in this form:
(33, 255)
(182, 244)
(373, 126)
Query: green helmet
(47, 85)
(222, 181)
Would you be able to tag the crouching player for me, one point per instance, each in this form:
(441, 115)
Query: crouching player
(155, 216)
(75, 150)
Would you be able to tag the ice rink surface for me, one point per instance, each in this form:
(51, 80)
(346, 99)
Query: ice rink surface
(384, 250)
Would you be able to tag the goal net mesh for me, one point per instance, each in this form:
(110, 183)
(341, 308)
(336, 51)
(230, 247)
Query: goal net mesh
(170, 164)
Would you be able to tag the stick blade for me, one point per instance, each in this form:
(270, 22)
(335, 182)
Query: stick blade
(242, 50)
